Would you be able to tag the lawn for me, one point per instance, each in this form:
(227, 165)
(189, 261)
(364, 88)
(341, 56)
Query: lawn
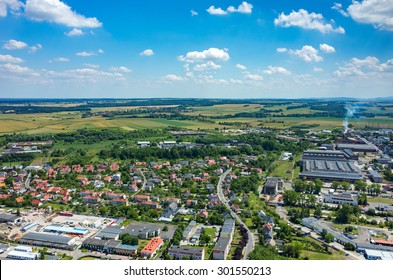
(322, 256)
(141, 244)
(211, 232)
(87, 258)
(380, 200)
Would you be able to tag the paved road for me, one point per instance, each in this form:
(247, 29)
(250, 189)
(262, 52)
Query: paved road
(144, 179)
(251, 242)
(27, 182)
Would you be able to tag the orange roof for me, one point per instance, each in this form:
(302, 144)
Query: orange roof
(384, 242)
(152, 246)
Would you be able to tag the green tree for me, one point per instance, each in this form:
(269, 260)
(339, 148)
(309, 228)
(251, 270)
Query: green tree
(329, 238)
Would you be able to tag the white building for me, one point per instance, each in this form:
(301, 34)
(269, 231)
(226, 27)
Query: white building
(339, 198)
(23, 253)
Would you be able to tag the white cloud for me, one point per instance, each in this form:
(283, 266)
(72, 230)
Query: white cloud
(35, 48)
(241, 67)
(5, 5)
(307, 54)
(254, 77)
(10, 59)
(120, 69)
(213, 54)
(379, 13)
(19, 45)
(172, 78)
(147, 52)
(60, 59)
(243, 8)
(12, 68)
(14, 45)
(86, 54)
(307, 20)
(75, 32)
(317, 69)
(194, 13)
(326, 48)
(281, 50)
(58, 12)
(210, 65)
(338, 7)
(216, 11)
(276, 70)
(363, 67)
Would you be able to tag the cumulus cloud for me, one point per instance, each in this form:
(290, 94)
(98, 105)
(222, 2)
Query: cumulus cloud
(243, 8)
(75, 32)
(379, 13)
(147, 52)
(35, 48)
(172, 78)
(10, 59)
(254, 77)
(276, 70)
(281, 50)
(210, 65)
(5, 5)
(14, 45)
(16, 69)
(241, 67)
(87, 54)
(120, 69)
(338, 7)
(19, 45)
(317, 69)
(362, 67)
(307, 54)
(60, 59)
(194, 13)
(306, 20)
(216, 11)
(326, 48)
(213, 54)
(56, 11)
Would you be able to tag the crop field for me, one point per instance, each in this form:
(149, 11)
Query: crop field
(39, 123)
(226, 109)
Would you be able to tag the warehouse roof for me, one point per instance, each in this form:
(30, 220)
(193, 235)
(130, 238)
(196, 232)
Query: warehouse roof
(46, 237)
(111, 232)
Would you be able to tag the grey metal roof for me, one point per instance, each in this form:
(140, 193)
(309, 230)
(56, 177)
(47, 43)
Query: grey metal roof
(185, 249)
(46, 237)
(222, 243)
(228, 227)
(375, 174)
(111, 232)
(7, 217)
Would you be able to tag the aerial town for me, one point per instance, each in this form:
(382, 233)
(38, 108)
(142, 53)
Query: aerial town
(251, 193)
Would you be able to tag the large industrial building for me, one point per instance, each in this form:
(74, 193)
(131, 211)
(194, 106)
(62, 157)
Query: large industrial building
(356, 147)
(48, 240)
(328, 166)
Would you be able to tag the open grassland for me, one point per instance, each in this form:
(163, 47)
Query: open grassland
(322, 256)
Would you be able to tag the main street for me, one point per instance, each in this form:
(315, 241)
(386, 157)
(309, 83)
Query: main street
(251, 242)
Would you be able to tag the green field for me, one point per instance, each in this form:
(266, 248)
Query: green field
(71, 121)
(322, 256)
(282, 169)
(380, 200)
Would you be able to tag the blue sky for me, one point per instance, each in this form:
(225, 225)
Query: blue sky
(196, 48)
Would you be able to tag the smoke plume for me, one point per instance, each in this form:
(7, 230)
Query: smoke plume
(350, 111)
